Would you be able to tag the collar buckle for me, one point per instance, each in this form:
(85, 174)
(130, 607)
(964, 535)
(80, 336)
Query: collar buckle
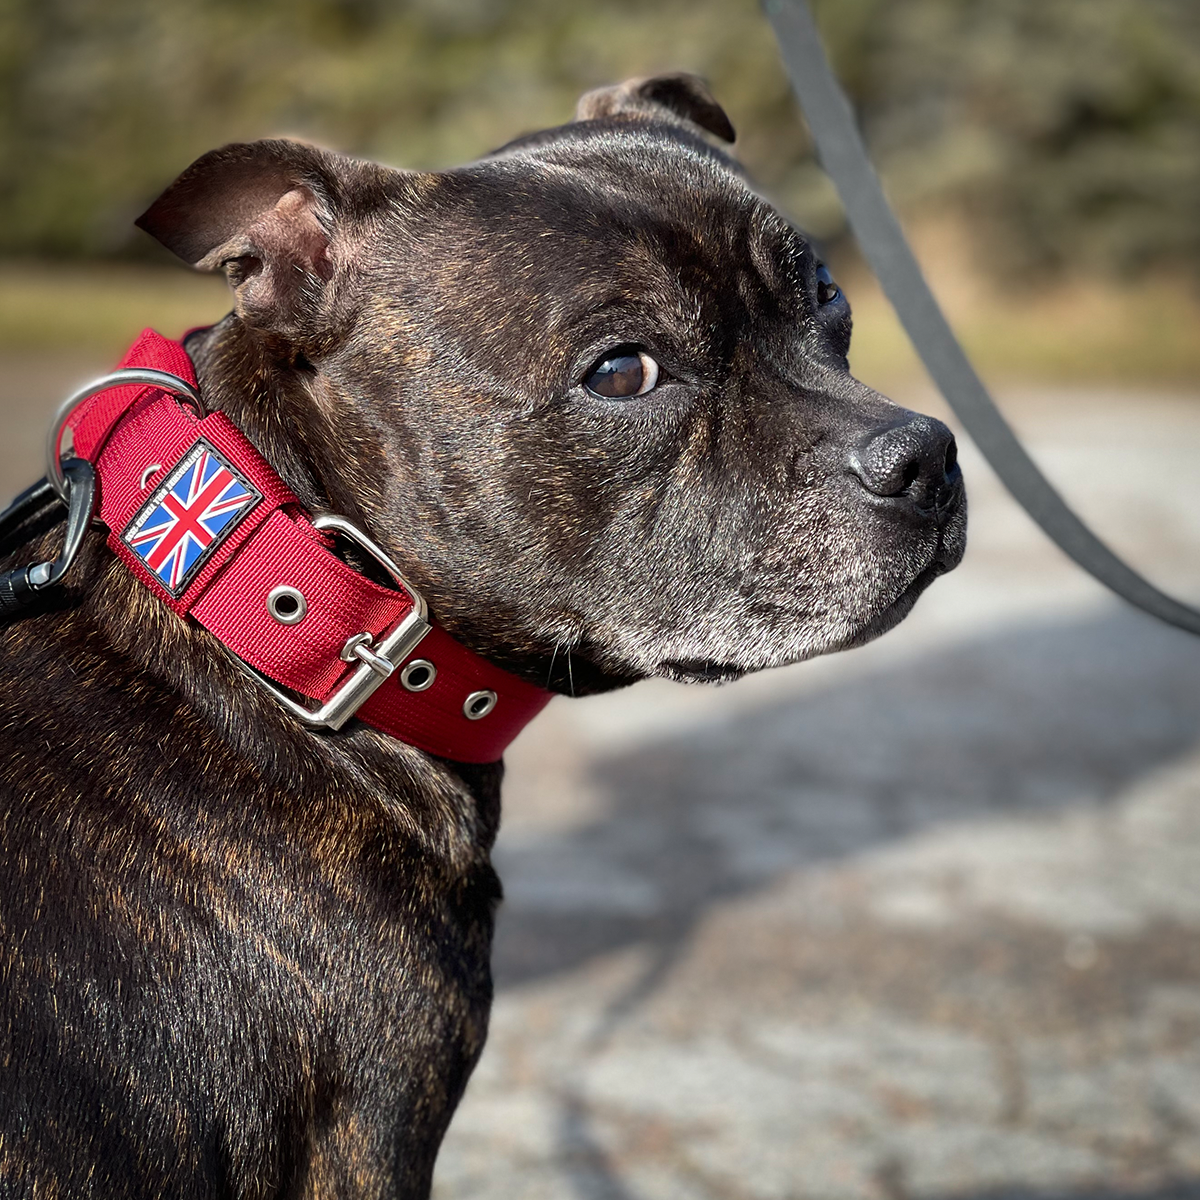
(377, 659)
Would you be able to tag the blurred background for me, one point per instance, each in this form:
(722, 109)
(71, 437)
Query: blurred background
(918, 921)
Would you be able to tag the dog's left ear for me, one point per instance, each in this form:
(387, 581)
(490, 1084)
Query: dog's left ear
(680, 98)
(265, 213)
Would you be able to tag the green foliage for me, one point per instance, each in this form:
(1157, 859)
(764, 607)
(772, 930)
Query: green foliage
(1071, 126)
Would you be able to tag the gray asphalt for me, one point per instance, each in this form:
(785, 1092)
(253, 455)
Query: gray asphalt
(921, 920)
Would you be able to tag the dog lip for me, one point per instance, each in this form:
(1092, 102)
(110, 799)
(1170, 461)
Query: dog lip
(891, 615)
(701, 670)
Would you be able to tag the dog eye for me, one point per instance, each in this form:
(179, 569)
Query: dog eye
(827, 290)
(621, 373)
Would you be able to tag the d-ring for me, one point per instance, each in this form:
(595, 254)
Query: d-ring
(145, 375)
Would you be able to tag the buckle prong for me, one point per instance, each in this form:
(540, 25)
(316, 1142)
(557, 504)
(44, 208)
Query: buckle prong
(359, 646)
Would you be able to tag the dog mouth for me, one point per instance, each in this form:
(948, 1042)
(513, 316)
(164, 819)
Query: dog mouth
(701, 670)
(718, 671)
(948, 553)
(892, 614)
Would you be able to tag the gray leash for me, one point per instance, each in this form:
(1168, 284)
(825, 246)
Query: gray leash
(843, 156)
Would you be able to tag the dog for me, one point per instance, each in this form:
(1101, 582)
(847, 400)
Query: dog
(591, 395)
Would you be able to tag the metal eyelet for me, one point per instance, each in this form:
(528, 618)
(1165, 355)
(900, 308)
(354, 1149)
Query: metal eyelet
(418, 675)
(287, 605)
(478, 704)
(150, 470)
(394, 647)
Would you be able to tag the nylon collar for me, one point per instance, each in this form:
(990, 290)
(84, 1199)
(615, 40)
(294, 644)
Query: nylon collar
(203, 521)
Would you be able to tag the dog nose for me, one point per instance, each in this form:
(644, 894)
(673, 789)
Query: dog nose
(916, 459)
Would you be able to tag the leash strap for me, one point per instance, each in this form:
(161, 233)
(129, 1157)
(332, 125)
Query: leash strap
(204, 522)
(843, 156)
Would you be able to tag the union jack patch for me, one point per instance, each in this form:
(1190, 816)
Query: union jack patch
(199, 504)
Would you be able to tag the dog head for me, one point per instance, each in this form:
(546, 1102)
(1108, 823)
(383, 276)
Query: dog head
(592, 391)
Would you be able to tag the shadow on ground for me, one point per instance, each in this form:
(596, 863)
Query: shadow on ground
(1034, 719)
(1183, 1190)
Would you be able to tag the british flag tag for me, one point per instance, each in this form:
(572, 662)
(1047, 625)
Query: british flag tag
(199, 504)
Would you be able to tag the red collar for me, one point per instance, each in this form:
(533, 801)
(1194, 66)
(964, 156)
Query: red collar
(200, 517)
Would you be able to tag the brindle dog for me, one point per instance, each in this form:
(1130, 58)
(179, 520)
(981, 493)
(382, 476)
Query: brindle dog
(592, 393)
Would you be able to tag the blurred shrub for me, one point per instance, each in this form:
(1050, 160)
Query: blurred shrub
(1071, 128)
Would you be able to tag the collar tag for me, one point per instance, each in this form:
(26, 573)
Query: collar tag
(189, 515)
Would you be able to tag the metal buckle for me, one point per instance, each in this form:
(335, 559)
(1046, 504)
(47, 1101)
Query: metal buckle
(145, 375)
(374, 667)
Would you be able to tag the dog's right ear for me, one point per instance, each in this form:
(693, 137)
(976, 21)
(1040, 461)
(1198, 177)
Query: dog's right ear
(680, 98)
(264, 212)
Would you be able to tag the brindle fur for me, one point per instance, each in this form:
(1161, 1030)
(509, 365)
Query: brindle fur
(243, 959)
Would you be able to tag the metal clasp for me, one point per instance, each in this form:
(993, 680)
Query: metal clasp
(377, 663)
(81, 508)
(19, 587)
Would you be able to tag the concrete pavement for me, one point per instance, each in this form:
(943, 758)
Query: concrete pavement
(922, 920)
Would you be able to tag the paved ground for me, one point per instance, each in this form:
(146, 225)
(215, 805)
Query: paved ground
(922, 920)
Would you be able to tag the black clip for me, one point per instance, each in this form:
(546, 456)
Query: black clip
(19, 588)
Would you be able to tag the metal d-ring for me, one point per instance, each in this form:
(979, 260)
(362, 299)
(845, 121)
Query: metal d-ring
(130, 375)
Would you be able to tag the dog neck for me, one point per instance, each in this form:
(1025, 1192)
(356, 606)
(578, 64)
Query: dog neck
(332, 459)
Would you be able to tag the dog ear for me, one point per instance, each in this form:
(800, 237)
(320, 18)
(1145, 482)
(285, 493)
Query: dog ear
(676, 98)
(264, 212)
